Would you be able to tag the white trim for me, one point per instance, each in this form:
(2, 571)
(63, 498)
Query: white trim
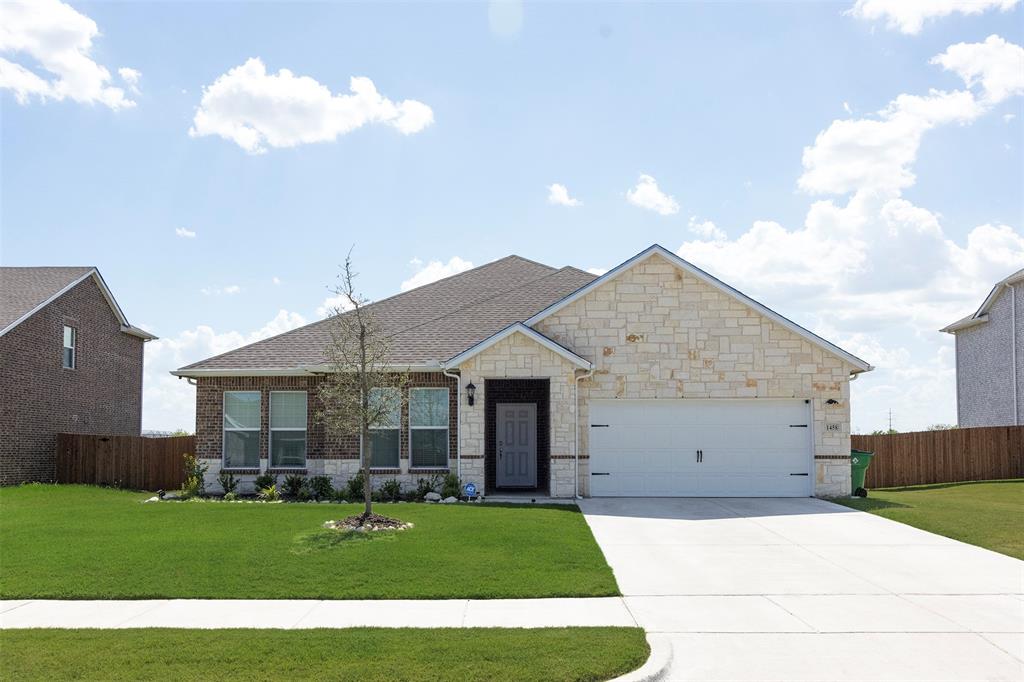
(224, 430)
(532, 334)
(118, 313)
(981, 314)
(712, 281)
(447, 428)
(965, 323)
(271, 429)
(73, 347)
(300, 371)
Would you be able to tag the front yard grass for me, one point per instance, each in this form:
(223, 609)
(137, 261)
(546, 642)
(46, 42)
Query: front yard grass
(989, 514)
(357, 654)
(81, 542)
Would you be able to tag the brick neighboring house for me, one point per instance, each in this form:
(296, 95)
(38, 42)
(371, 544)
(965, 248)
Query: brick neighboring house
(653, 379)
(990, 358)
(69, 362)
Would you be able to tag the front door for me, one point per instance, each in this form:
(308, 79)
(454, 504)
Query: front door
(517, 445)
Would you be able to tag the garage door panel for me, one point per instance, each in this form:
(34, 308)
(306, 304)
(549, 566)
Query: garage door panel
(749, 448)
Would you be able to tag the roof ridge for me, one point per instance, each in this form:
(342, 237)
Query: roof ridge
(399, 294)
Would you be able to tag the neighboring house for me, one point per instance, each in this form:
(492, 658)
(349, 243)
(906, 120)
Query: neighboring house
(990, 358)
(653, 379)
(69, 362)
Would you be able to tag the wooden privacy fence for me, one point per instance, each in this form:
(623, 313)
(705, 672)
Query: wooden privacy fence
(979, 454)
(123, 461)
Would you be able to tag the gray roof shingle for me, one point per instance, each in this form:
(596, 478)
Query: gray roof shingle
(430, 323)
(22, 289)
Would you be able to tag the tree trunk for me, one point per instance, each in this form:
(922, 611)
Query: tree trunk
(367, 483)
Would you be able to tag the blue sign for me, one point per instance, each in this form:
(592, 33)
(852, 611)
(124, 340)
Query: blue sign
(470, 489)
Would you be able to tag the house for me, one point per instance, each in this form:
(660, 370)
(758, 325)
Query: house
(69, 362)
(990, 358)
(652, 379)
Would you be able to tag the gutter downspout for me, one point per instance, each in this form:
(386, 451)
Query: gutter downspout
(458, 419)
(576, 431)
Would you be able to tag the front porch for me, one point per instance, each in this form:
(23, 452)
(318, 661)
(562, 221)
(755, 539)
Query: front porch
(517, 445)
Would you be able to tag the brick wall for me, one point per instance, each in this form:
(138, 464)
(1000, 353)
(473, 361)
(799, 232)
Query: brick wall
(326, 454)
(102, 394)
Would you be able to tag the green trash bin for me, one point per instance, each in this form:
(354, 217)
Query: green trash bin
(859, 462)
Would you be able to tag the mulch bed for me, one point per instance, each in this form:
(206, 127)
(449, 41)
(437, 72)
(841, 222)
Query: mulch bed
(368, 522)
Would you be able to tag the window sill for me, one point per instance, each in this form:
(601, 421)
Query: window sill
(240, 470)
(428, 470)
(287, 470)
(385, 470)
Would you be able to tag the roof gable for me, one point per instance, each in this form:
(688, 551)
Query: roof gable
(532, 334)
(714, 282)
(981, 314)
(24, 291)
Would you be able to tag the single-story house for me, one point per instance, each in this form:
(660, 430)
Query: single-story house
(653, 379)
(990, 358)
(69, 362)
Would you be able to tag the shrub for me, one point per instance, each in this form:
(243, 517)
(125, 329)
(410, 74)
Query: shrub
(195, 473)
(354, 487)
(391, 490)
(293, 485)
(338, 495)
(230, 497)
(269, 494)
(452, 486)
(410, 496)
(426, 485)
(265, 481)
(228, 482)
(321, 488)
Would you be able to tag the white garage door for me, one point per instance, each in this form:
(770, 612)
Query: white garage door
(700, 448)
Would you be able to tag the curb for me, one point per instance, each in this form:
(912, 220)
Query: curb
(657, 664)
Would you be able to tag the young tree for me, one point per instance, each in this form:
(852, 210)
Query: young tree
(354, 395)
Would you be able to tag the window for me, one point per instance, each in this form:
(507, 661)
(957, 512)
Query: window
(69, 347)
(242, 429)
(288, 429)
(428, 427)
(384, 438)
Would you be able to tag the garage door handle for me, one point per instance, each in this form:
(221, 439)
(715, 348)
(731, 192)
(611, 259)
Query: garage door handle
(799, 474)
(600, 473)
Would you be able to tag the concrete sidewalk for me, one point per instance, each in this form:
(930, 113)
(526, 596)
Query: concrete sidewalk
(312, 613)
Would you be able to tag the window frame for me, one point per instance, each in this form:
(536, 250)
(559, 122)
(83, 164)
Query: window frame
(447, 428)
(224, 432)
(270, 435)
(397, 427)
(73, 347)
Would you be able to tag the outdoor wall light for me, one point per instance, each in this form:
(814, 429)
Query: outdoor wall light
(831, 401)
(470, 392)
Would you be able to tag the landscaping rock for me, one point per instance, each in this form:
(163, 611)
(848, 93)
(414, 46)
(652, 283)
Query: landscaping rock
(432, 497)
(450, 500)
(152, 499)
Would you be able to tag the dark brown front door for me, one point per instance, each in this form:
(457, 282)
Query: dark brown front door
(516, 433)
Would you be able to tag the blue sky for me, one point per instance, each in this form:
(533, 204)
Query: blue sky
(890, 225)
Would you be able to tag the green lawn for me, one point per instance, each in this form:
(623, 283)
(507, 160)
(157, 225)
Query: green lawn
(357, 654)
(80, 542)
(989, 514)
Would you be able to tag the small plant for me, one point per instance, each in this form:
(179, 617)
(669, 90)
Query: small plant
(354, 487)
(321, 488)
(265, 481)
(230, 497)
(228, 482)
(411, 496)
(293, 485)
(269, 494)
(338, 495)
(451, 487)
(391, 490)
(426, 485)
(195, 473)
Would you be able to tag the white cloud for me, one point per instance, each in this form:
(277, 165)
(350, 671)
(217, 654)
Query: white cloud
(505, 17)
(434, 270)
(130, 77)
(647, 195)
(909, 16)
(169, 403)
(847, 108)
(597, 271)
(333, 304)
(185, 233)
(559, 195)
(1008, 117)
(256, 109)
(996, 65)
(229, 290)
(52, 37)
(276, 280)
(705, 229)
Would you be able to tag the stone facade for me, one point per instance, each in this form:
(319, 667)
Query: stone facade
(326, 455)
(655, 331)
(102, 394)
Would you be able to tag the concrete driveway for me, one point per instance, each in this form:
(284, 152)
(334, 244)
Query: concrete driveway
(802, 589)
